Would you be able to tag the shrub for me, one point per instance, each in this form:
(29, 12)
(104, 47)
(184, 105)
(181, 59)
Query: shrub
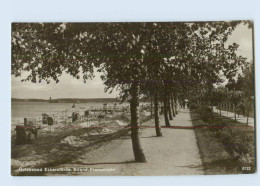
(205, 113)
(194, 106)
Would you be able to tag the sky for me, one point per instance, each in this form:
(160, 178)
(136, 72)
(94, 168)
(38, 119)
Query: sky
(69, 87)
(242, 35)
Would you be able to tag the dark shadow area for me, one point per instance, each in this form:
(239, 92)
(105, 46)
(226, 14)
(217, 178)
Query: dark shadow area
(150, 136)
(227, 163)
(225, 146)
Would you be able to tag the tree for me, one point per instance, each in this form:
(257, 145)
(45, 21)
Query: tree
(47, 50)
(123, 52)
(243, 85)
(248, 86)
(219, 95)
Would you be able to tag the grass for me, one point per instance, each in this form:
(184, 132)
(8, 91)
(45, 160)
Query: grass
(251, 112)
(225, 147)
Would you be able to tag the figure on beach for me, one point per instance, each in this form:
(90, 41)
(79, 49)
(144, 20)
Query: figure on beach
(75, 111)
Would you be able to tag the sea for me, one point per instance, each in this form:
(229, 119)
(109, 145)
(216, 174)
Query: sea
(21, 110)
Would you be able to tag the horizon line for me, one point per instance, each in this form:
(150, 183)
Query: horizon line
(62, 98)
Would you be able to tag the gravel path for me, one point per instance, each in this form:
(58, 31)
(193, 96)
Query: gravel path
(176, 153)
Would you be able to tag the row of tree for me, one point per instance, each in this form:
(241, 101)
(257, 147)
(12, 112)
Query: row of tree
(238, 94)
(167, 62)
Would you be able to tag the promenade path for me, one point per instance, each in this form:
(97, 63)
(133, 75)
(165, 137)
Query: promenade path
(240, 118)
(176, 153)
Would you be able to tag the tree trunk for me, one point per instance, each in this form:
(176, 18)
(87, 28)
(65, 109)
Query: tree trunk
(156, 115)
(162, 109)
(235, 114)
(220, 109)
(247, 117)
(227, 109)
(247, 114)
(134, 107)
(176, 104)
(172, 105)
(169, 108)
(151, 108)
(165, 111)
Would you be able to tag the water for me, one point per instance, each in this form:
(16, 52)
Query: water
(21, 110)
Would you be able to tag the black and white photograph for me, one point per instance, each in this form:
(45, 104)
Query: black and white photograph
(133, 98)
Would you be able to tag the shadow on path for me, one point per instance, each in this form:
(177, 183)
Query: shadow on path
(178, 127)
(150, 136)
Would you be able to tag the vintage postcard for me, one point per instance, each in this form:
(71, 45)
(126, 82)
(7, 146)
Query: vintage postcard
(133, 98)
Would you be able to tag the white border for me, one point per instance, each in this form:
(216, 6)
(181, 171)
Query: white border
(113, 10)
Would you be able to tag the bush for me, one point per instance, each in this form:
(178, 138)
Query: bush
(205, 113)
(193, 106)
